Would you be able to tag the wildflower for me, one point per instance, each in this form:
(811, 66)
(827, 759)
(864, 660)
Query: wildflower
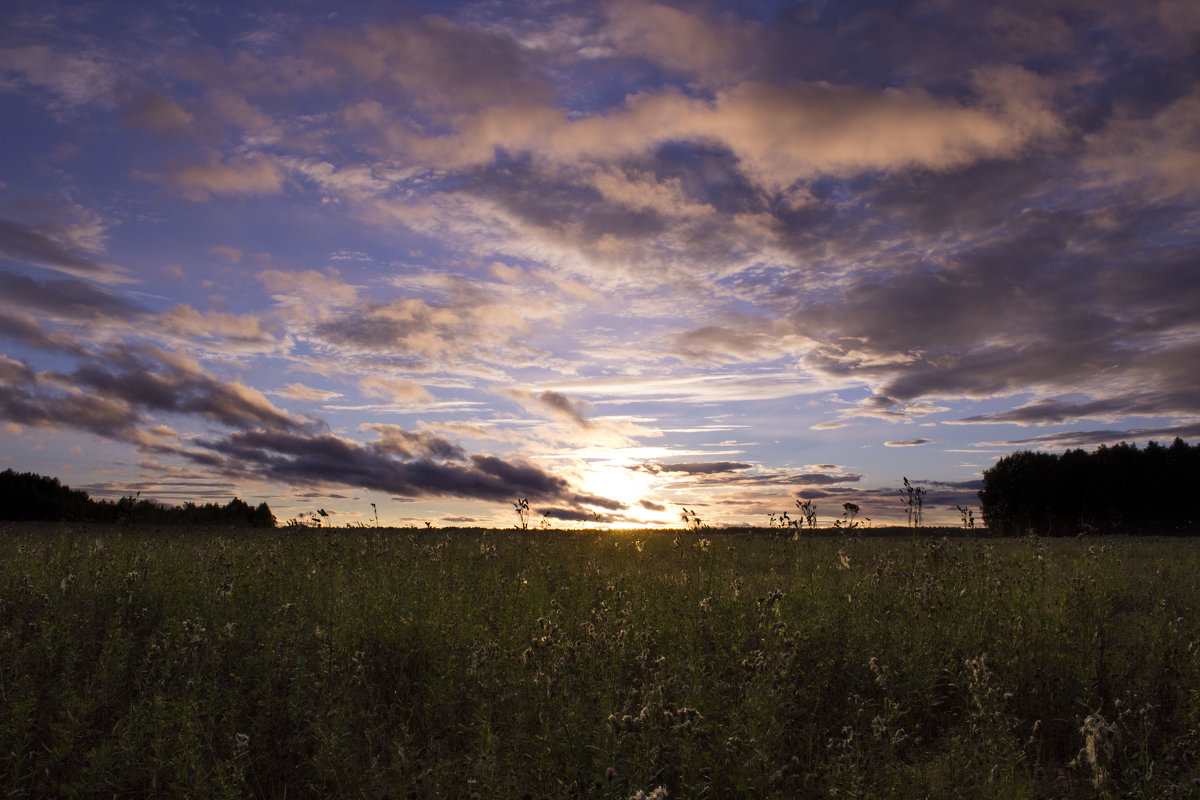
(610, 772)
(1008, 695)
(658, 794)
(241, 743)
(1098, 735)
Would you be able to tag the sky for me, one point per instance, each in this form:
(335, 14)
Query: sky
(620, 259)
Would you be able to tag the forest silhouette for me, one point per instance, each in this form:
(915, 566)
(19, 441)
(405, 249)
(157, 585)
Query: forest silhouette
(1118, 489)
(27, 496)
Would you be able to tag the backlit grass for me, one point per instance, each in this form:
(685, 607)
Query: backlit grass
(403, 663)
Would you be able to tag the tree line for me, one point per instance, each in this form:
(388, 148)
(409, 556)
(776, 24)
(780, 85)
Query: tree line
(27, 496)
(1117, 489)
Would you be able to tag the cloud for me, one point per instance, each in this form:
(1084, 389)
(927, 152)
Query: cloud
(1068, 439)
(555, 404)
(308, 291)
(23, 327)
(780, 134)
(166, 387)
(26, 399)
(235, 332)
(577, 515)
(560, 405)
(298, 391)
(409, 444)
(76, 79)
(66, 299)
(711, 51)
(155, 112)
(28, 245)
(823, 478)
(700, 468)
(908, 443)
(247, 176)
(696, 388)
(325, 459)
(111, 394)
(234, 109)
(1162, 151)
(454, 335)
(714, 342)
(395, 390)
(442, 66)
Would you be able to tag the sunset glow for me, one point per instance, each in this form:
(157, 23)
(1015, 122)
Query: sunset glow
(617, 258)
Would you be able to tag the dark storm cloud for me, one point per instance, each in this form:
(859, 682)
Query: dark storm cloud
(328, 459)
(28, 245)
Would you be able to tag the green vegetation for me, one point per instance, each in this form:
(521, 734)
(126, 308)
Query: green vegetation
(402, 663)
(1118, 489)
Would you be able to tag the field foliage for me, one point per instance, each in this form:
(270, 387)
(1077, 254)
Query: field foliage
(404, 663)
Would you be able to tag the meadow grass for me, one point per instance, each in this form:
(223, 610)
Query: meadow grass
(404, 663)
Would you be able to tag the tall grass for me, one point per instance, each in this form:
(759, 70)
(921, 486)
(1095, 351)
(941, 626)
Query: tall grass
(385, 663)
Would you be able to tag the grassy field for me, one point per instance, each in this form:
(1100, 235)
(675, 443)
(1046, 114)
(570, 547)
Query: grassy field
(405, 663)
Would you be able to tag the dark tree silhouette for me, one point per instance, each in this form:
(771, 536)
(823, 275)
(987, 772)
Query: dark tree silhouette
(32, 497)
(1117, 489)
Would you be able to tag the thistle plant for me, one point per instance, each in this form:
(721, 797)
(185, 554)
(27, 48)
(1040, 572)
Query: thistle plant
(809, 509)
(968, 516)
(914, 501)
(521, 506)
